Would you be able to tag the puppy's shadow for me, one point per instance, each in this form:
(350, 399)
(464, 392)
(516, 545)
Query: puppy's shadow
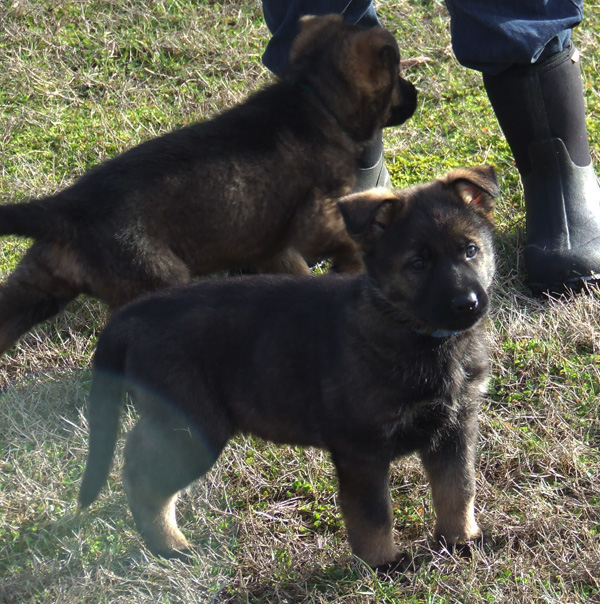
(346, 575)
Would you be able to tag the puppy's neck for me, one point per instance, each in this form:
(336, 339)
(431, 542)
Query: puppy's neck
(323, 102)
(377, 301)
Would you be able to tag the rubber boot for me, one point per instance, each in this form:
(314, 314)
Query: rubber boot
(541, 111)
(371, 168)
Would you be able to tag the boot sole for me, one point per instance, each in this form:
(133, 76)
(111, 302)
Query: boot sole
(575, 286)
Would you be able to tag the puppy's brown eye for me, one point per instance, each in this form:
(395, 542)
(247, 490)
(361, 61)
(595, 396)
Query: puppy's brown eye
(471, 251)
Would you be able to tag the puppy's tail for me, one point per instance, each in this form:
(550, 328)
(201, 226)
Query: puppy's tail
(36, 219)
(104, 407)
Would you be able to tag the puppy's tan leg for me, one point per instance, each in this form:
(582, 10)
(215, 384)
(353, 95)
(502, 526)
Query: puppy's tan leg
(162, 457)
(451, 472)
(288, 261)
(325, 236)
(367, 510)
(156, 521)
(32, 294)
(347, 258)
(455, 515)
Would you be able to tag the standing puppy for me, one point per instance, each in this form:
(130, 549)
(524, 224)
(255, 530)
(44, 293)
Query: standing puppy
(253, 187)
(369, 367)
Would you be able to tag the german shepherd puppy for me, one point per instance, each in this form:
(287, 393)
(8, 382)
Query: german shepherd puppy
(369, 367)
(253, 187)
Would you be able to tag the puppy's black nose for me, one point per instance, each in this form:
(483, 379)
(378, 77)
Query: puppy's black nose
(465, 303)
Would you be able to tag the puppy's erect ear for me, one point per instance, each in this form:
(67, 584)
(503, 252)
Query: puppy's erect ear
(313, 23)
(375, 61)
(477, 187)
(311, 28)
(367, 214)
(390, 56)
(373, 57)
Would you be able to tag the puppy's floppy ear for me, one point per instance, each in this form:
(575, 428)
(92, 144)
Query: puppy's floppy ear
(476, 186)
(367, 214)
(311, 28)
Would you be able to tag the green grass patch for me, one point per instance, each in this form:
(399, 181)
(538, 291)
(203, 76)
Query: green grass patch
(82, 81)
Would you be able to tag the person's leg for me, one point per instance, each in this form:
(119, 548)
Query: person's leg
(532, 77)
(281, 17)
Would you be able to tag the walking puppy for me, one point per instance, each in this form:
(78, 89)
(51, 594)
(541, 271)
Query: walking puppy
(254, 187)
(370, 367)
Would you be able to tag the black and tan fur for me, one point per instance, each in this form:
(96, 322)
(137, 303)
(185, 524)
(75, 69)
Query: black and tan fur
(369, 367)
(253, 187)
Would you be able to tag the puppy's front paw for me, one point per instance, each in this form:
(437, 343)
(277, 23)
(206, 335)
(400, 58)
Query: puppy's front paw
(402, 564)
(483, 542)
(185, 555)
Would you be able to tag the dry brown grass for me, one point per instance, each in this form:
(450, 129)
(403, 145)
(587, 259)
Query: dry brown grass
(80, 81)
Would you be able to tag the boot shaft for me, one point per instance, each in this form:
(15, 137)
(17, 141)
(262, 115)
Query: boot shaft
(539, 102)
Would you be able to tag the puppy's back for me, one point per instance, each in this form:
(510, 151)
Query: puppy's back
(252, 345)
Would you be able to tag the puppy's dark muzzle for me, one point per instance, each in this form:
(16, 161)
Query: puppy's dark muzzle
(406, 105)
(467, 308)
(465, 304)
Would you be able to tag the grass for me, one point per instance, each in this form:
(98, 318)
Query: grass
(81, 81)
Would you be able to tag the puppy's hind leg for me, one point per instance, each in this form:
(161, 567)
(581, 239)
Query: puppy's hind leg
(163, 455)
(31, 294)
(139, 273)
